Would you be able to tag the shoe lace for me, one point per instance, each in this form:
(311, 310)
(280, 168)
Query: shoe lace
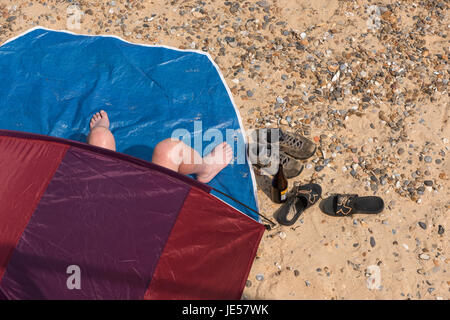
(284, 160)
(290, 140)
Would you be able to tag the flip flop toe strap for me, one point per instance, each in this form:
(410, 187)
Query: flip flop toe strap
(344, 204)
(309, 194)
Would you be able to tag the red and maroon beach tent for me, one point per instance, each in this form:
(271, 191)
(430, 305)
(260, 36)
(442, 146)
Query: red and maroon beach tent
(135, 230)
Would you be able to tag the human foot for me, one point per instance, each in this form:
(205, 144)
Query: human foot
(100, 119)
(214, 162)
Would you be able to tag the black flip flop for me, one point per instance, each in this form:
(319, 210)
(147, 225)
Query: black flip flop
(340, 205)
(302, 198)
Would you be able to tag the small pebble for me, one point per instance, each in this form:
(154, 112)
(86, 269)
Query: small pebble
(263, 3)
(424, 256)
(319, 168)
(428, 183)
(372, 241)
(280, 100)
(422, 225)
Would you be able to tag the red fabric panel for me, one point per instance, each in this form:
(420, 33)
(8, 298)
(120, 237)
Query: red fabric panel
(26, 168)
(209, 252)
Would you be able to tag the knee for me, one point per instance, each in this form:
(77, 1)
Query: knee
(167, 144)
(168, 149)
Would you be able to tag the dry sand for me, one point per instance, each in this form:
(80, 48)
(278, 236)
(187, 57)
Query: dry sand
(368, 81)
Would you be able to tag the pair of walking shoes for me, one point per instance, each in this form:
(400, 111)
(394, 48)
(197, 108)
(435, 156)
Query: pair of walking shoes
(337, 205)
(279, 146)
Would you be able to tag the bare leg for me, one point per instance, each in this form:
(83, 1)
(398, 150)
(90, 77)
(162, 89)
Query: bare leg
(100, 135)
(177, 156)
(171, 154)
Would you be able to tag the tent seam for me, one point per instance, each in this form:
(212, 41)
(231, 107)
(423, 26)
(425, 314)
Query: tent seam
(61, 157)
(167, 241)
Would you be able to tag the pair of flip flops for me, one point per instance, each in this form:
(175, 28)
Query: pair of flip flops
(337, 205)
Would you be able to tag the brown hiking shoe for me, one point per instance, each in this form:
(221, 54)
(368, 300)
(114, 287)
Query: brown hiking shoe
(291, 167)
(293, 144)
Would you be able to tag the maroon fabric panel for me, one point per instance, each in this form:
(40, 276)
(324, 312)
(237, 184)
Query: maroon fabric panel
(107, 216)
(26, 168)
(209, 252)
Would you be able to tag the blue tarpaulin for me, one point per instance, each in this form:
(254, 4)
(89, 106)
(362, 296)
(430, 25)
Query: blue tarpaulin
(52, 82)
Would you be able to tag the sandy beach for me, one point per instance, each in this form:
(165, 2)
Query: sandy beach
(366, 81)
